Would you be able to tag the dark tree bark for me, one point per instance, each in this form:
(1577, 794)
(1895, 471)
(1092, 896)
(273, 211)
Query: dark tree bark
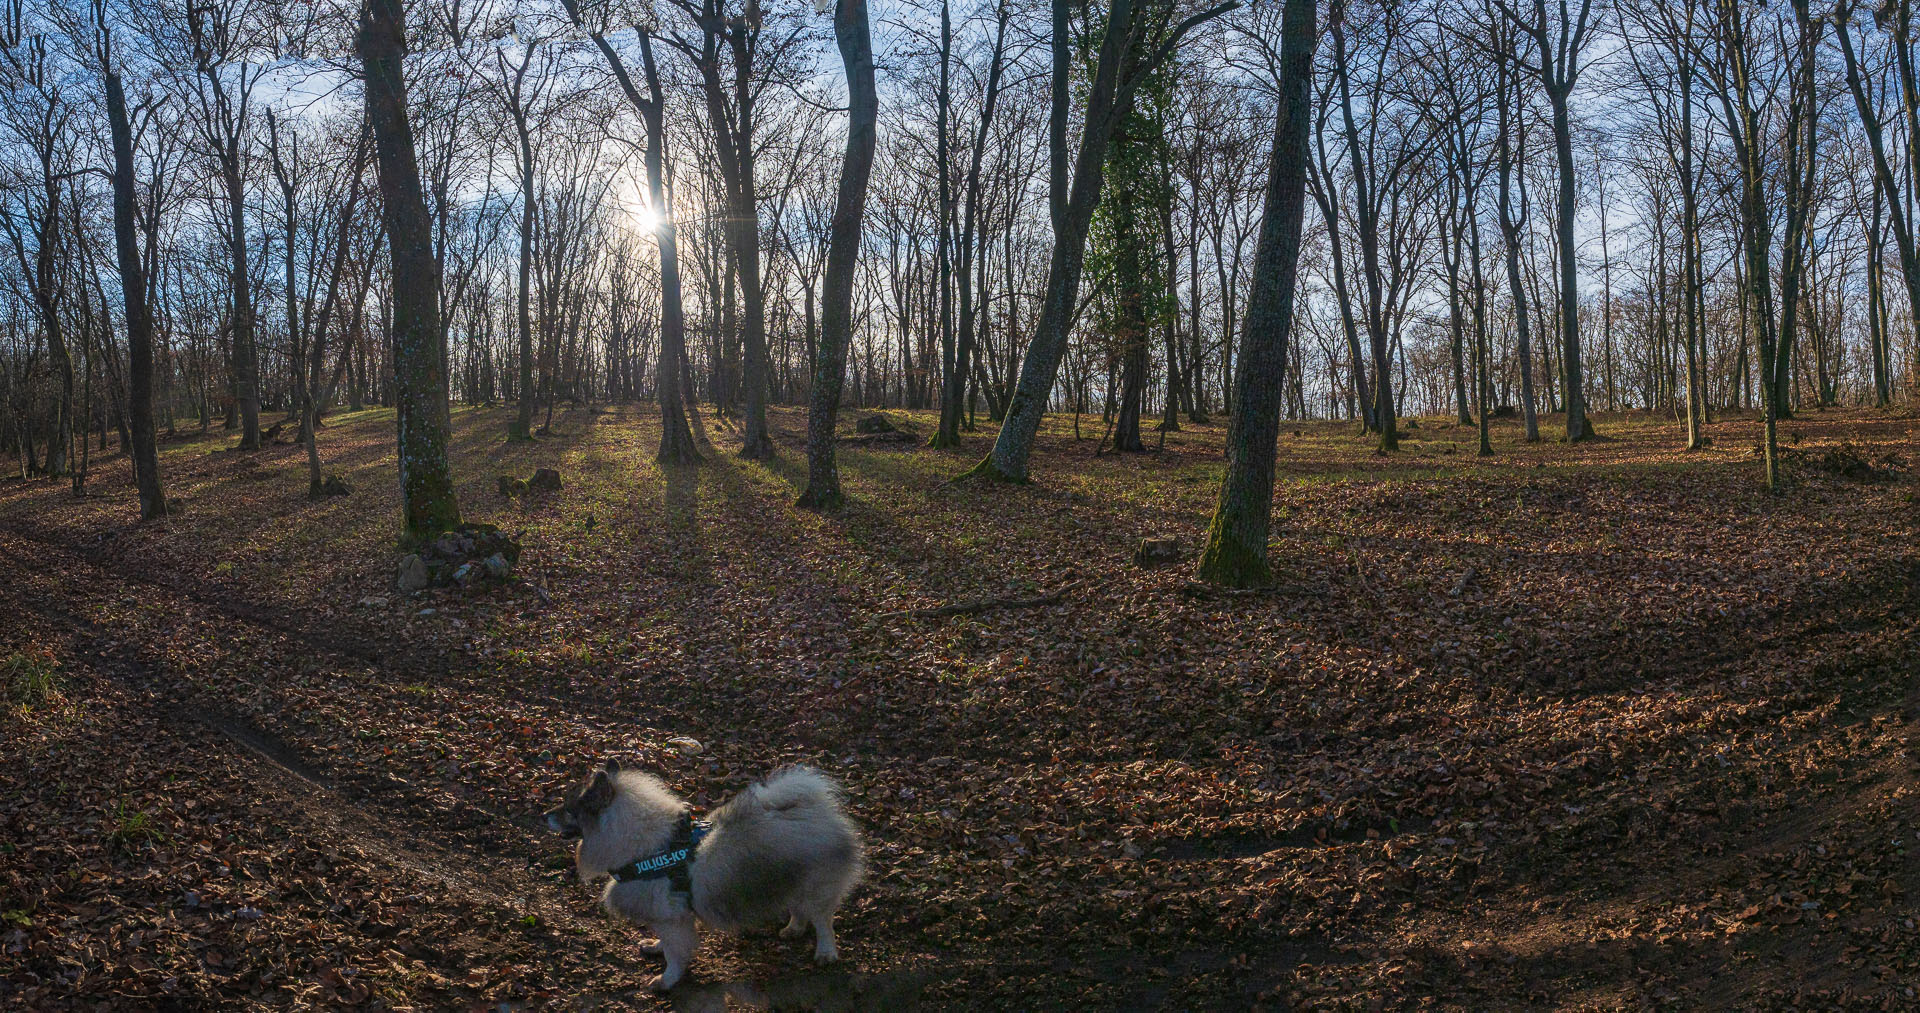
(1508, 144)
(1236, 549)
(419, 340)
(133, 290)
(1124, 62)
(1558, 68)
(31, 63)
(1367, 210)
(734, 149)
(1798, 159)
(1870, 121)
(1733, 84)
(1452, 246)
(224, 127)
(674, 375)
(961, 365)
(1324, 194)
(948, 433)
(843, 250)
(521, 426)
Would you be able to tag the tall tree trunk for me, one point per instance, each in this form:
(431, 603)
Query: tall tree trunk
(674, 375)
(133, 290)
(1904, 239)
(1513, 219)
(1744, 128)
(1170, 315)
(843, 250)
(46, 296)
(1119, 70)
(734, 147)
(1324, 194)
(419, 341)
(1452, 242)
(947, 434)
(246, 358)
(1573, 384)
(1691, 269)
(521, 428)
(1367, 211)
(1236, 549)
(1482, 343)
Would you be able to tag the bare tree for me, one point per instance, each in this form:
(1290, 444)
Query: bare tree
(1137, 40)
(1236, 550)
(1559, 46)
(850, 31)
(419, 338)
(676, 436)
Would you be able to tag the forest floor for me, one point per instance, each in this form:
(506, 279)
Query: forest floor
(1598, 726)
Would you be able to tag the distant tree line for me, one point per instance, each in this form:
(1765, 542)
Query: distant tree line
(1512, 207)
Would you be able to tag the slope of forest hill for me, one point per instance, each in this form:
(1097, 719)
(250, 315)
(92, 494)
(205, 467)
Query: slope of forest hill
(1596, 726)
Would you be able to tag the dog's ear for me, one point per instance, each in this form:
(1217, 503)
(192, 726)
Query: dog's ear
(612, 766)
(599, 793)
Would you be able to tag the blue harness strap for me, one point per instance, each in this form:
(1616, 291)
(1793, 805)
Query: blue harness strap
(673, 864)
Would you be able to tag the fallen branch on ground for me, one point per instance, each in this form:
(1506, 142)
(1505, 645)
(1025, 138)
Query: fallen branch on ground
(988, 604)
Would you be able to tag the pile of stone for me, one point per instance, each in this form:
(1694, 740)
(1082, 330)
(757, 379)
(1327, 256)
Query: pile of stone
(470, 555)
(1861, 464)
(879, 429)
(544, 480)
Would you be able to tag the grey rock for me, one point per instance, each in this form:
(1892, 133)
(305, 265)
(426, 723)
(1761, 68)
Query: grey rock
(497, 566)
(413, 574)
(1158, 552)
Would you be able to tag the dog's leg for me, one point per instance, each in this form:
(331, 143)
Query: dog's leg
(824, 952)
(796, 926)
(678, 941)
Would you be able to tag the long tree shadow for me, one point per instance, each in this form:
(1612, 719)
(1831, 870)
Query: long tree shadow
(682, 517)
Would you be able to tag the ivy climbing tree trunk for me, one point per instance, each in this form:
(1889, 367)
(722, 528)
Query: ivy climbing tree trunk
(1126, 58)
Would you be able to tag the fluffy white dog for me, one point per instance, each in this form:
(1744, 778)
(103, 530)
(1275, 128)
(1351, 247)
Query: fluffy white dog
(782, 848)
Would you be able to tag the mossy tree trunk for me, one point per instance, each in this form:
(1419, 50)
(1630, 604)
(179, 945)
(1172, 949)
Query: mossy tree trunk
(419, 342)
(1236, 549)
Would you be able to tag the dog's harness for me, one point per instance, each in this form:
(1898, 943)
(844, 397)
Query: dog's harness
(674, 864)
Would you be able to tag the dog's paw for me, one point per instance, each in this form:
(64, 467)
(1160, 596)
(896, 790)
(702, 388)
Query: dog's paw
(793, 931)
(824, 957)
(650, 948)
(660, 985)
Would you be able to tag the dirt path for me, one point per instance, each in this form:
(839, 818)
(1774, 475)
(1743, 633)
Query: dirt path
(464, 856)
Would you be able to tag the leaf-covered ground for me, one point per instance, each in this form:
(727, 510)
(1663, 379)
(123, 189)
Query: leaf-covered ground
(1591, 727)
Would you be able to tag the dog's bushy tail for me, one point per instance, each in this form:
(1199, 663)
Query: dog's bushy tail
(783, 847)
(794, 791)
(803, 806)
